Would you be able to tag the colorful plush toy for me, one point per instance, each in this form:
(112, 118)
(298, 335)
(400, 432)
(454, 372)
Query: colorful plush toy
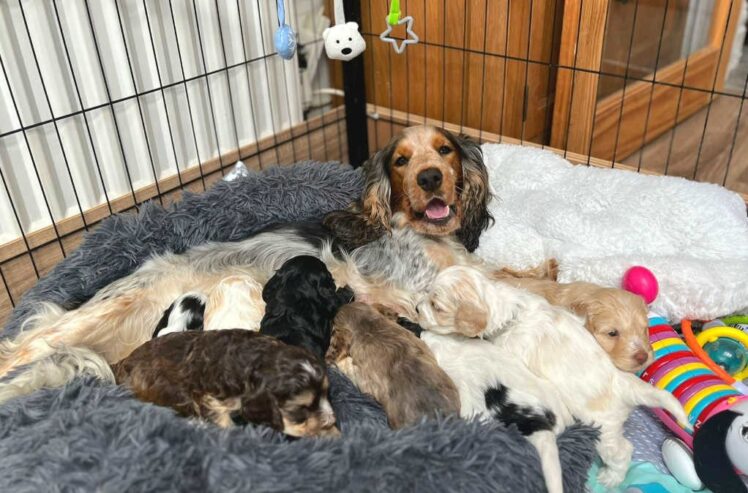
(716, 411)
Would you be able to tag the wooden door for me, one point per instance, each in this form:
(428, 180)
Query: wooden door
(629, 70)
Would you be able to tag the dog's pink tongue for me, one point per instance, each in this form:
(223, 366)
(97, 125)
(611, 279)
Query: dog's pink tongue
(437, 210)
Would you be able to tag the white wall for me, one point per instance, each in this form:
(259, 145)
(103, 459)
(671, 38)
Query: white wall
(265, 96)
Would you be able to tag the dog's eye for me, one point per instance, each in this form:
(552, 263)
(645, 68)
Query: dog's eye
(444, 150)
(350, 39)
(613, 333)
(401, 161)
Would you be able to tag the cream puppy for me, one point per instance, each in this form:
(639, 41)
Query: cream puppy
(516, 358)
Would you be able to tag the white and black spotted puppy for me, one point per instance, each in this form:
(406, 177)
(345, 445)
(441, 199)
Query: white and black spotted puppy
(234, 302)
(516, 358)
(186, 313)
(493, 384)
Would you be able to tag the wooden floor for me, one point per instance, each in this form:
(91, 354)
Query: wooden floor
(710, 146)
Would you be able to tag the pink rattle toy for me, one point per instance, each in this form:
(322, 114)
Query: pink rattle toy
(640, 280)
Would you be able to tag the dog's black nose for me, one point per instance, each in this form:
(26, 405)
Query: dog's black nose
(346, 51)
(429, 179)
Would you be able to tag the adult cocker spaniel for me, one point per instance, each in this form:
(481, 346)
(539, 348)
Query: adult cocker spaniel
(426, 180)
(437, 180)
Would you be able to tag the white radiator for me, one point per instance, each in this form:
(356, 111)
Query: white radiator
(249, 101)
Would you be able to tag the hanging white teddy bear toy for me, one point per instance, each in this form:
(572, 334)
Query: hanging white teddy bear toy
(343, 41)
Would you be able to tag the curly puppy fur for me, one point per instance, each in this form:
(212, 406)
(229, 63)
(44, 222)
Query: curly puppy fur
(617, 318)
(437, 180)
(391, 364)
(301, 303)
(542, 359)
(224, 376)
(232, 377)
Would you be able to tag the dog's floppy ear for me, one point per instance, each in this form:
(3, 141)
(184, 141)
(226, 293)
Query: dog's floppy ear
(375, 202)
(345, 295)
(368, 219)
(340, 344)
(470, 319)
(260, 407)
(272, 287)
(475, 194)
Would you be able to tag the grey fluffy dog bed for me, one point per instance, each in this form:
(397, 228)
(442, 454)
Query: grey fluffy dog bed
(89, 436)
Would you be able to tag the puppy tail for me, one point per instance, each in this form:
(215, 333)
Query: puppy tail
(60, 367)
(640, 393)
(545, 443)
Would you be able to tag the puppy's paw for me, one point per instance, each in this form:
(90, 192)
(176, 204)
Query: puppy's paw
(610, 477)
(674, 407)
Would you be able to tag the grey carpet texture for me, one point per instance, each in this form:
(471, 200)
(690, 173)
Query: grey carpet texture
(89, 436)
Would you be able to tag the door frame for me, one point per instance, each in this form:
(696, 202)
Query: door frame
(615, 125)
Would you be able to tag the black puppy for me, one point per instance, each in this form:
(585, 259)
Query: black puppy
(301, 302)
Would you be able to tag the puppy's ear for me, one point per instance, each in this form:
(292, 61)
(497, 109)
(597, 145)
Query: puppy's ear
(587, 308)
(345, 295)
(475, 194)
(375, 202)
(340, 344)
(269, 292)
(579, 307)
(260, 407)
(471, 320)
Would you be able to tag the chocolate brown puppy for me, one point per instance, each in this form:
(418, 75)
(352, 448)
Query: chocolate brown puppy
(232, 377)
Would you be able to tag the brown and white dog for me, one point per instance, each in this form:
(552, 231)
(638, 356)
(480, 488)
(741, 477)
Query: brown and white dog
(264, 381)
(436, 180)
(518, 359)
(423, 208)
(450, 200)
(390, 363)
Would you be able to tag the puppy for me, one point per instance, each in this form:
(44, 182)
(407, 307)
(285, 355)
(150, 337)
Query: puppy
(186, 313)
(616, 318)
(391, 364)
(232, 377)
(536, 364)
(301, 303)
